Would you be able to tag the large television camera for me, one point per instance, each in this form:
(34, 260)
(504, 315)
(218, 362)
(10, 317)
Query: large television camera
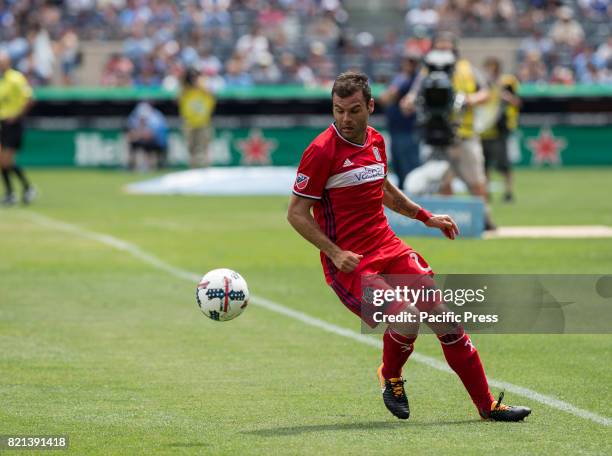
(437, 99)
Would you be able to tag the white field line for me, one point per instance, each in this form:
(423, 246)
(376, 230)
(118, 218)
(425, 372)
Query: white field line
(550, 232)
(155, 262)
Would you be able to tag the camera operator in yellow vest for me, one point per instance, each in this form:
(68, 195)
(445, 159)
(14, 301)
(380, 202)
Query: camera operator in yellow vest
(449, 136)
(196, 106)
(496, 139)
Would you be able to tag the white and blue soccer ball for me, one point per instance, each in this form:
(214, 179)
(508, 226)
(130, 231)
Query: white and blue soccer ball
(222, 294)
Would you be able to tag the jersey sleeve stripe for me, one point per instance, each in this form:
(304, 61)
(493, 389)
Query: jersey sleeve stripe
(306, 196)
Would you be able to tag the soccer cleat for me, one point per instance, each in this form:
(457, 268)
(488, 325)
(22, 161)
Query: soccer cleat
(394, 395)
(503, 412)
(9, 200)
(29, 195)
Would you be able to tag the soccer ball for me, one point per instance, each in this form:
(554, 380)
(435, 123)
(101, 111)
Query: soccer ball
(222, 294)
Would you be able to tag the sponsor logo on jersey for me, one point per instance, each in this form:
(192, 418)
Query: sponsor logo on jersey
(346, 163)
(301, 181)
(376, 153)
(357, 176)
(369, 173)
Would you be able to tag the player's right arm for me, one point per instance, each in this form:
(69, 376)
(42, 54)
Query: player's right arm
(300, 217)
(313, 172)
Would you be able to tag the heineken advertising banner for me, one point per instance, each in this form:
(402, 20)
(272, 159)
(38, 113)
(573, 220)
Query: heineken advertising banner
(109, 148)
(535, 146)
(83, 126)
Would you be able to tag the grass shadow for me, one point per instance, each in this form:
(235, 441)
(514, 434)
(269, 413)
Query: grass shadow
(358, 426)
(187, 445)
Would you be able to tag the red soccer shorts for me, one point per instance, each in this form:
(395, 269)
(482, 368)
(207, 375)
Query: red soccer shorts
(394, 258)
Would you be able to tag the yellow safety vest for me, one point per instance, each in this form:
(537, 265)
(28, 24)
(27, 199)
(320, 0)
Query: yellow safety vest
(15, 92)
(464, 81)
(510, 113)
(196, 106)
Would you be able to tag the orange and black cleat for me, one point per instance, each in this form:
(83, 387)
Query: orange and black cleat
(503, 412)
(394, 395)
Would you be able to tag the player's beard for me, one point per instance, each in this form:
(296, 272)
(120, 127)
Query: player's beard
(355, 133)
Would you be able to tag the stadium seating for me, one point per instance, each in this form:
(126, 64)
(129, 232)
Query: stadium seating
(157, 39)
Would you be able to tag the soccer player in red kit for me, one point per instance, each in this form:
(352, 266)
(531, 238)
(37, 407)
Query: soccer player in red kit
(342, 177)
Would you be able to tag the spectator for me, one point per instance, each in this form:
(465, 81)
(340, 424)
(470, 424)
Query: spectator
(593, 75)
(532, 69)
(265, 71)
(604, 51)
(253, 45)
(138, 45)
(594, 9)
(424, 15)
(235, 74)
(322, 66)
(294, 71)
(587, 65)
(70, 55)
(42, 36)
(118, 71)
(42, 55)
(567, 30)
(419, 42)
(538, 43)
(562, 75)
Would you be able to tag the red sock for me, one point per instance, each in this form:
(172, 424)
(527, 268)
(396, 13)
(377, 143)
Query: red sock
(396, 350)
(463, 358)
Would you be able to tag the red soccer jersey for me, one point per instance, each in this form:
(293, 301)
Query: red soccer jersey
(347, 181)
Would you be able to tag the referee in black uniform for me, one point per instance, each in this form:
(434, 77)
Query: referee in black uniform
(15, 101)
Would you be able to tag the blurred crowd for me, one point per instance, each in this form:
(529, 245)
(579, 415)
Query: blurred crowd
(239, 43)
(573, 46)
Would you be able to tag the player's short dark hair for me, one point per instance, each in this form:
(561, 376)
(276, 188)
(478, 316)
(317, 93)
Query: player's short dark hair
(346, 84)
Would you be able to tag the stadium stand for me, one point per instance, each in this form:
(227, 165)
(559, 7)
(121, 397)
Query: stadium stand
(259, 42)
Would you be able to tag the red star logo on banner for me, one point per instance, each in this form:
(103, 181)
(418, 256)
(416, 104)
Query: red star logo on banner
(256, 150)
(546, 148)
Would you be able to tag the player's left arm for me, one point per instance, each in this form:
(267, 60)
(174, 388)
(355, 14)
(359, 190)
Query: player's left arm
(394, 199)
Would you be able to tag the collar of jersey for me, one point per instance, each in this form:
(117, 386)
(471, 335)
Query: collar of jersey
(352, 143)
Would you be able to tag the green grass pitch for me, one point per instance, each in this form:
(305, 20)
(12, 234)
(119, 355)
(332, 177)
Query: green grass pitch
(97, 345)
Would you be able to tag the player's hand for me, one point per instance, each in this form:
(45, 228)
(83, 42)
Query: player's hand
(446, 224)
(346, 261)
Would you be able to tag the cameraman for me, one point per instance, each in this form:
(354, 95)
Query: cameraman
(448, 128)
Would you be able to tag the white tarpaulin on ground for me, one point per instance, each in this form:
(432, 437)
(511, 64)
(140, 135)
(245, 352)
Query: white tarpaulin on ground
(253, 180)
(261, 180)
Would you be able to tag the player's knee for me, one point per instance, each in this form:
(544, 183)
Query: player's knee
(453, 336)
(408, 332)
